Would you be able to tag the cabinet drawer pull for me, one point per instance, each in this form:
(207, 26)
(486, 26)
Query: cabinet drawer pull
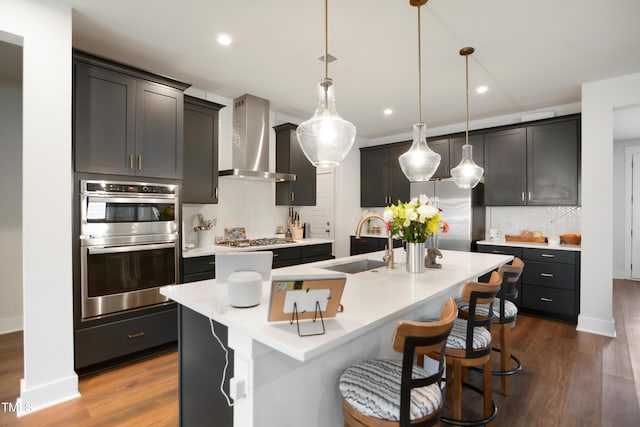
(212, 263)
(275, 255)
(546, 274)
(544, 299)
(497, 252)
(137, 335)
(547, 255)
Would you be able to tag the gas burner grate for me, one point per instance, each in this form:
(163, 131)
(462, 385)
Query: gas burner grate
(265, 241)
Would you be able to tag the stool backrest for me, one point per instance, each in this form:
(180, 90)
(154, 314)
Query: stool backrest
(510, 275)
(427, 337)
(476, 293)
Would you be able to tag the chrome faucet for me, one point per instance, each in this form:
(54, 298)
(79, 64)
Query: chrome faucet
(388, 256)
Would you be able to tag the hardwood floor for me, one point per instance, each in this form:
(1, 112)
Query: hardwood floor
(569, 379)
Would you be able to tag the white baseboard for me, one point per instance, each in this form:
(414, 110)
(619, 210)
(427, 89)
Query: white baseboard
(46, 395)
(10, 324)
(597, 326)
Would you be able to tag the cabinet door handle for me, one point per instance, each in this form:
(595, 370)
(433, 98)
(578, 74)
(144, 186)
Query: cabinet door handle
(216, 192)
(529, 195)
(544, 299)
(548, 255)
(523, 196)
(131, 161)
(546, 274)
(136, 335)
(497, 252)
(140, 163)
(293, 196)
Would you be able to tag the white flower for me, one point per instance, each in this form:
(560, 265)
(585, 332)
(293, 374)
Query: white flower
(424, 200)
(412, 215)
(407, 222)
(388, 215)
(414, 201)
(427, 211)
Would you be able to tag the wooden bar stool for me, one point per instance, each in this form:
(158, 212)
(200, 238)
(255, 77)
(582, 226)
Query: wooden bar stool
(469, 345)
(505, 314)
(386, 393)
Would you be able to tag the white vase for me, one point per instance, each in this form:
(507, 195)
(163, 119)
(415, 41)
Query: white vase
(205, 238)
(415, 257)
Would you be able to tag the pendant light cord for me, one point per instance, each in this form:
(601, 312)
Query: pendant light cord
(467, 94)
(326, 39)
(419, 70)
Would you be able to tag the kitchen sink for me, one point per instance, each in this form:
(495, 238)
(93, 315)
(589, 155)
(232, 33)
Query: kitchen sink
(354, 267)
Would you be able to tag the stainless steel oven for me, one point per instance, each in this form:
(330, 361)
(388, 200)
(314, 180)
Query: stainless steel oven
(129, 240)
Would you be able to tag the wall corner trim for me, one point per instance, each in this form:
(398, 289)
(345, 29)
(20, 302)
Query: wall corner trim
(597, 326)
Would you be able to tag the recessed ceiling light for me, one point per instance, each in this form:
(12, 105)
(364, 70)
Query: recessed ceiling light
(224, 39)
(482, 89)
(388, 111)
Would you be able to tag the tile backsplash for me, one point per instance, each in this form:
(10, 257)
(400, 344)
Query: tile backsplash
(550, 220)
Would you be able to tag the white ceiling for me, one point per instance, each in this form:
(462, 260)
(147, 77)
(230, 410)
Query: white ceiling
(531, 54)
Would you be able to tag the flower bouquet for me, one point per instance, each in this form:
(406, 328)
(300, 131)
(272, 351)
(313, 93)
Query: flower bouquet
(413, 222)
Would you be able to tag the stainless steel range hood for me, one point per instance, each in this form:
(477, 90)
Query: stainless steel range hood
(250, 140)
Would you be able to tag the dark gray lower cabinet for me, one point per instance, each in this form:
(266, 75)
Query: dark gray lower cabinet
(550, 282)
(368, 244)
(124, 339)
(198, 268)
(201, 367)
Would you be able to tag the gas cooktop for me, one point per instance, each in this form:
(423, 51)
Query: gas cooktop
(254, 242)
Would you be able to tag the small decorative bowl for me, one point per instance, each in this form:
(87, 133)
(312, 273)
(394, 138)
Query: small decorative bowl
(571, 239)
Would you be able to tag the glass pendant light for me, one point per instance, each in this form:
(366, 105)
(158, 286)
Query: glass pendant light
(467, 174)
(420, 162)
(326, 138)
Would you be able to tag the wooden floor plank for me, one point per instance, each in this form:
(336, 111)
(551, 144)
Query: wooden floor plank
(570, 378)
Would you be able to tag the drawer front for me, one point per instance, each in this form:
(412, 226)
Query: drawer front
(106, 342)
(364, 245)
(285, 254)
(551, 275)
(547, 299)
(501, 250)
(564, 257)
(198, 265)
(313, 251)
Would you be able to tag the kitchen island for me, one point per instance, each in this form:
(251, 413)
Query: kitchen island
(291, 380)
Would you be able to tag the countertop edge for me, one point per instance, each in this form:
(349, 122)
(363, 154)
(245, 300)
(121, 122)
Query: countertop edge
(561, 247)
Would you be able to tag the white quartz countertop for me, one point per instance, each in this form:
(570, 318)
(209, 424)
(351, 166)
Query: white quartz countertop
(560, 247)
(212, 250)
(370, 299)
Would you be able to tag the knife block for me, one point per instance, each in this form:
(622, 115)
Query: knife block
(297, 233)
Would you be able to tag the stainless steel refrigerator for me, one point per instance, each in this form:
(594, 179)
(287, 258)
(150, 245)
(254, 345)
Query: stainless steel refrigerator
(463, 209)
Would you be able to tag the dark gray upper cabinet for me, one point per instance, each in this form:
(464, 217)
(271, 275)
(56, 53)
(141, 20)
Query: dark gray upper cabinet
(382, 181)
(291, 159)
(505, 175)
(552, 164)
(441, 146)
(200, 176)
(126, 121)
(533, 165)
(104, 120)
(455, 147)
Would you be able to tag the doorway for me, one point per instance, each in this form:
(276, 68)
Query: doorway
(322, 214)
(11, 314)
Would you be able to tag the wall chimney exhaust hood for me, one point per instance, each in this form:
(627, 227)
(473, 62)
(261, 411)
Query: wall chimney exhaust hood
(250, 141)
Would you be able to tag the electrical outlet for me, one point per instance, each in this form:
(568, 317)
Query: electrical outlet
(237, 388)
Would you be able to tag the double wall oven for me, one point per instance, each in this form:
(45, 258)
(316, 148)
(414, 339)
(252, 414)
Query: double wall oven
(129, 239)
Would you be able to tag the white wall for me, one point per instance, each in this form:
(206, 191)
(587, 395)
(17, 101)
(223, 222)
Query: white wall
(620, 188)
(11, 193)
(44, 29)
(599, 99)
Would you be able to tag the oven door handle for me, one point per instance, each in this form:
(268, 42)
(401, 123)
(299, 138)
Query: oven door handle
(96, 250)
(131, 199)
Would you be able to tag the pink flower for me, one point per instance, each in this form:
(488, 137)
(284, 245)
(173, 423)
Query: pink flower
(445, 226)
